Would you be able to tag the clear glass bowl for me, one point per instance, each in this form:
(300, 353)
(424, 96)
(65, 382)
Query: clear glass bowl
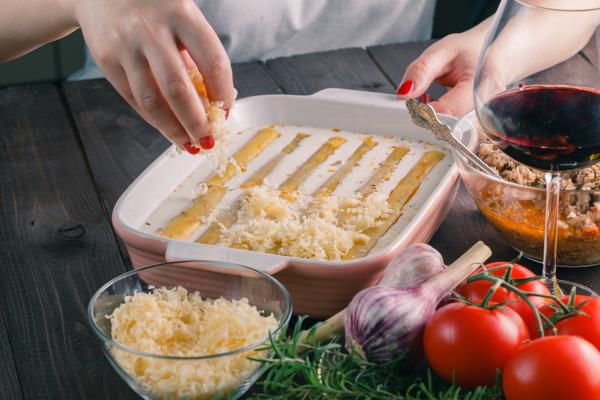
(212, 280)
(580, 290)
(517, 211)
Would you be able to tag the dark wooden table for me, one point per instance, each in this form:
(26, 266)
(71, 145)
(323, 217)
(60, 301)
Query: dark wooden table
(66, 154)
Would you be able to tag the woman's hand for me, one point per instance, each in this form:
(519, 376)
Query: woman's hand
(451, 62)
(142, 47)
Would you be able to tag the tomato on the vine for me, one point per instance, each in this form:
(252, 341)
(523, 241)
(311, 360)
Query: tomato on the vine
(553, 367)
(471, 344)
(476, 291)
(586, 324)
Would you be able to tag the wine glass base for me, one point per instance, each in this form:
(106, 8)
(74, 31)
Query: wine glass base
(566, 287)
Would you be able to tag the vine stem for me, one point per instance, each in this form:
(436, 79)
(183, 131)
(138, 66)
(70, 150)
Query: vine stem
(523, 295)
(486, 273)
(557, 299)
(490, 293)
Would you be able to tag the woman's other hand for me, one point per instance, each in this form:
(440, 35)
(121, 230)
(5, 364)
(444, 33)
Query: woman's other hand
(451, 62)
(141, 45)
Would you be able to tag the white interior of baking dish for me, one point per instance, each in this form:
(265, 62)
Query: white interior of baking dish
(170, 184)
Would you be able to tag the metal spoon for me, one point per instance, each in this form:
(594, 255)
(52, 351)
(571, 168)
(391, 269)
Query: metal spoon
(424, 116)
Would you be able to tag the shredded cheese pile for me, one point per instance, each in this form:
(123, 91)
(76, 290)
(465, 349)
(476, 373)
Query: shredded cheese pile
(325, 228)
(219, 156)
(179, 323)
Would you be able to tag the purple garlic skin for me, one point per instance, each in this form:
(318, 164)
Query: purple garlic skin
(383, 323)
(386, 320)
(412, 267)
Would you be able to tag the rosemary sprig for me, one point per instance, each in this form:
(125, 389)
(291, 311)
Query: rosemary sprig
(328, 371)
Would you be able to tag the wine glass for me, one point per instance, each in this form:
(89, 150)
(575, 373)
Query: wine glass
(536, 95)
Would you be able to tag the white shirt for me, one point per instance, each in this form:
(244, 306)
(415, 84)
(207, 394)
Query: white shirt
(264, 29)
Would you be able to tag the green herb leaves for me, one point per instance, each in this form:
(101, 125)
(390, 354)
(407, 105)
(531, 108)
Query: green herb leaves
(327, 371)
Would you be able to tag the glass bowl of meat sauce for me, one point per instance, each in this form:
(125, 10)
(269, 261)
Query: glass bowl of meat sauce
(515, 202)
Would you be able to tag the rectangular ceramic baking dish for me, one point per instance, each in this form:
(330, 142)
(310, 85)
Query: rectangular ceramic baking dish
(319, 288)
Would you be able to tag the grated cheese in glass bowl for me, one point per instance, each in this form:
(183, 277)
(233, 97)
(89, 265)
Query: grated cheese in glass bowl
(187, 330)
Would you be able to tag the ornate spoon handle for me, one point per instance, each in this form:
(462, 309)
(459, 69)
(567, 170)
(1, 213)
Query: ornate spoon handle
(424, 116)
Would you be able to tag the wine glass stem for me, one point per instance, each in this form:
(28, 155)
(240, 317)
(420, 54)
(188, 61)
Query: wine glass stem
(553, 180)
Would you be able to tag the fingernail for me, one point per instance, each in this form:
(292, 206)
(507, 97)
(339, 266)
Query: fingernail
(405, 88)
(207, 142)
(425, 98)
(226, 113)
(191, 148)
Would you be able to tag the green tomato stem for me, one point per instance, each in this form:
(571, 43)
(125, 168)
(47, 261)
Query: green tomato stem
(488, 296)
(523, 295)
(552, 297)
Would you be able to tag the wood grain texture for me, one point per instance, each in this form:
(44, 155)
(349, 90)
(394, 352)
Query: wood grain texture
(10, 387)
(346, 68)
(57, 249)
(253, 79)
(394, 58)
(118, 143)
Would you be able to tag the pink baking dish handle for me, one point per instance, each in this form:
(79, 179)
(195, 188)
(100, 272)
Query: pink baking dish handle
(186, 251)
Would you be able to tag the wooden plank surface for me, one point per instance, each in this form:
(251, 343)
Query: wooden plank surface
(10, 387)
(347, 68)
(118, 144)
(253, 79)
(57, 249)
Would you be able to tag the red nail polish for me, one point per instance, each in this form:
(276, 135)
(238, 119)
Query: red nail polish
(191, 148)
(226, 113)
(424, 98)
(405, 88)
(207, 142)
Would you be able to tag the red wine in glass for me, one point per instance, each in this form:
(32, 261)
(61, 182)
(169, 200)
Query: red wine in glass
(548, 127)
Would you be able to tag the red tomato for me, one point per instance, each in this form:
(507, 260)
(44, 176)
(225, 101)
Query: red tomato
(587, 326)
(470, 344)
(553, 367)
(476, 291)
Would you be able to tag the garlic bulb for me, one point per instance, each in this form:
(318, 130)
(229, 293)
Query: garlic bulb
(385, 322)
(412, 267)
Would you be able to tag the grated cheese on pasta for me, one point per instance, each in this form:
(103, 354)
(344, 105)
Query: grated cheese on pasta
(324, 228)
(179, 323)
